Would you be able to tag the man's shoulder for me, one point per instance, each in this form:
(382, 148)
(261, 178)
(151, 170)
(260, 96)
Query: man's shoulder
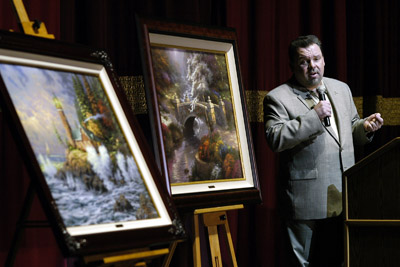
(285, 88)
(330, 81)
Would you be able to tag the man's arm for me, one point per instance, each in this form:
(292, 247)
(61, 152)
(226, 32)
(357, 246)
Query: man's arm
(284, 130)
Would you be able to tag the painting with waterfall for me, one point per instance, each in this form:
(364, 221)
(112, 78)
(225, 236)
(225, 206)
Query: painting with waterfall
(76, 136)
(197, 116)
(197, 107)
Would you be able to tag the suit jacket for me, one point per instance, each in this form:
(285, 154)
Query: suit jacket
(312, 158)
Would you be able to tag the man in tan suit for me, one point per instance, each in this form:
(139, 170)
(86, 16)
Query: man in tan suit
(313, 123)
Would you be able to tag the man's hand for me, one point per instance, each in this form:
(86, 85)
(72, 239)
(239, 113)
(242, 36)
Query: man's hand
(323, 109)
(373, 123)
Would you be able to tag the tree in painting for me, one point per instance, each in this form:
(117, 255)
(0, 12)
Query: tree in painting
(196, 111)
(83, 153)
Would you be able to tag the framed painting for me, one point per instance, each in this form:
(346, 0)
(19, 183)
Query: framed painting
(196, 102)
(83, 148)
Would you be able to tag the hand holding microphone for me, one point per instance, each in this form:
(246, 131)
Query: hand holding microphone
(321, 96)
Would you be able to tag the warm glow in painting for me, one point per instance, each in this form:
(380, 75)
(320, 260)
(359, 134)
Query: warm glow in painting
(198, 122)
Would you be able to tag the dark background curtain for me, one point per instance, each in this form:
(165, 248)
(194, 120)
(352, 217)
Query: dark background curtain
(360, 43)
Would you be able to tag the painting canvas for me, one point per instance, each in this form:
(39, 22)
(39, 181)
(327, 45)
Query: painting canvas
(80, 146)
(197, 103)
(88, 159)
(197, 115)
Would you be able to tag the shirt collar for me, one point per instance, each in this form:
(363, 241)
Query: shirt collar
(301, 90)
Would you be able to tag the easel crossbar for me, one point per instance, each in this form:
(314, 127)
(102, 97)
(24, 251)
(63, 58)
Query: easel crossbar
(137, 255)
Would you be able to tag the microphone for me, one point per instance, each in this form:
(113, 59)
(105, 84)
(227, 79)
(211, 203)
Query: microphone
(321, 96)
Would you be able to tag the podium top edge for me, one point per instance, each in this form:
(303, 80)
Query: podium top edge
(379, 152)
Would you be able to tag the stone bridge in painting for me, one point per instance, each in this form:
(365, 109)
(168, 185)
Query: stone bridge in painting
(186, 112)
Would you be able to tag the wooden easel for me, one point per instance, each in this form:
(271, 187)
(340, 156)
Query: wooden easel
(35, 27)
(212, 218)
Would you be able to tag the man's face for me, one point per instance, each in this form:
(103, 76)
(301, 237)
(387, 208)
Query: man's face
(309, 66)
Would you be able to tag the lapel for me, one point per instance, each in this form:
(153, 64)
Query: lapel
(300, 91)
(301, 95)
(334, 98)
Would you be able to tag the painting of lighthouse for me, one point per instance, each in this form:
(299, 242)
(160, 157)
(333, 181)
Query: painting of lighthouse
(86, 159)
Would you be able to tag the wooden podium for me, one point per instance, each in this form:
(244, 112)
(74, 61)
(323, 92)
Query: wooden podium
(371, 205)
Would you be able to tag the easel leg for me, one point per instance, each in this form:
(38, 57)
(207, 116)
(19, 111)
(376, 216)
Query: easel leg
(230, 243)
(347, 246)
(26, 208)
(168, 259)
(196, 242)
(214, 246)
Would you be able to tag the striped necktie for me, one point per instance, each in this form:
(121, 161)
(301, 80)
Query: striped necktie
(310, 99)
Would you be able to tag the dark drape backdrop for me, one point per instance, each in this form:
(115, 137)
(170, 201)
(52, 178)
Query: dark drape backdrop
(360, 43)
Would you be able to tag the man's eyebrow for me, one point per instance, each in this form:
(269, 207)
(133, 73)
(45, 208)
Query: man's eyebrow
(302, 57)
